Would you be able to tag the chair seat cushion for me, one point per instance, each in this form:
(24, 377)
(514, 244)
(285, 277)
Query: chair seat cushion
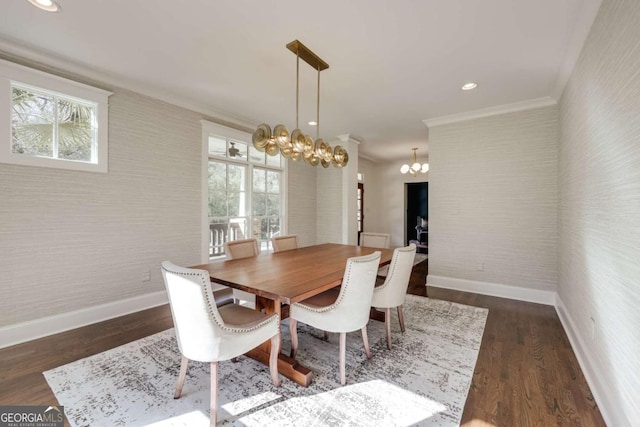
(239, 316)
(324, 299)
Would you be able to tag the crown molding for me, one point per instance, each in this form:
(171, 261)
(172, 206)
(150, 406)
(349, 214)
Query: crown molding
(371, 159)
(348, 138)
(491, 111)
(42, 59)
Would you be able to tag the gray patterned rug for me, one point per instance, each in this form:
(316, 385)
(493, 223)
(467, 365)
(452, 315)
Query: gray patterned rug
(423, 380)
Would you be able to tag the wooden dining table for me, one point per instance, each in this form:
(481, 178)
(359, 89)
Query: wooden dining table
(283, 278)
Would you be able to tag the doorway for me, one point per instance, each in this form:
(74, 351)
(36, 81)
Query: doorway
(417, 214)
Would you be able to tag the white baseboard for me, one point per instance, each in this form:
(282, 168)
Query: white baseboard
(33, 329)
(599, 387)
(493, 289)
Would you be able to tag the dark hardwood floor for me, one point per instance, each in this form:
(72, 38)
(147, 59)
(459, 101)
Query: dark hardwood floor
(526, 374)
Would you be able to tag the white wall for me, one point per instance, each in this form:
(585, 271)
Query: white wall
(336, 198)
(493, 200)
(328, 205)
(372, 190)
(74, 245)
(387, 198)
(599, 182)
(301, 202)
(72, 240)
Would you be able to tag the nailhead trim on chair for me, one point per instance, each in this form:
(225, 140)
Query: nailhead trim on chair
(340, 295)
(206, 288)
(392, 267)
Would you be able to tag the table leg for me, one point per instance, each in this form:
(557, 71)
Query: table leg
(375, 314)
(287, 366)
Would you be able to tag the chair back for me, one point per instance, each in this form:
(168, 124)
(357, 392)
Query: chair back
(284, 243)
(394, 289)
(375, 240)
(198, 325)
(351, 309)
(244, 248)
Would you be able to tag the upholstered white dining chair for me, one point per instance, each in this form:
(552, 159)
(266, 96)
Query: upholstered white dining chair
(244, 248)
(341, 311)
(206, 333)
(393, 291)
(375, 240)
(284, 243)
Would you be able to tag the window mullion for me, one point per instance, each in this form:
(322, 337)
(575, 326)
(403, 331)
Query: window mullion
(54, 143)
(248, 197)
(226, 192)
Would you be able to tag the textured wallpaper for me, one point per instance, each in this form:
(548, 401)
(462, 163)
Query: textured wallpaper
(493, 198)
(301, 205)
(71, 240)
(329, 205)
(599, 181)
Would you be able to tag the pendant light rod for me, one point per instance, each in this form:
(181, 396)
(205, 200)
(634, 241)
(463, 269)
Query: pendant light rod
(318, 108)
(297, 89)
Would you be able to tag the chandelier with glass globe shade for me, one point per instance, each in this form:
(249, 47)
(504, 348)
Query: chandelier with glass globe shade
(297, 145)
(415, 167)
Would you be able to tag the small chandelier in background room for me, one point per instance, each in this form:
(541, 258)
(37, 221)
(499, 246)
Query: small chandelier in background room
(296, 145)
(415, 167)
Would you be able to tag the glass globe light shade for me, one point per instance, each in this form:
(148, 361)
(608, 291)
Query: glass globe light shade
(425, 168)
(47, 5)
(404, 168)
(416, 166)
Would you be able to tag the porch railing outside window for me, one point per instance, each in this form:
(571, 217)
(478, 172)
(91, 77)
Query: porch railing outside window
(245, 194)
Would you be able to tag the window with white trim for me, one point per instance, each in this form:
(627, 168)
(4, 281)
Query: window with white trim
(245, 191)
(50, 121)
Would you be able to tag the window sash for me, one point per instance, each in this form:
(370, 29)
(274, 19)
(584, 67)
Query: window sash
(55, 123)
(253, 161)
(258, 225)
(13, 74)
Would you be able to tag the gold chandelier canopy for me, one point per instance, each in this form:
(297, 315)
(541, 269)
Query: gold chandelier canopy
(415, 167)
(297, 145)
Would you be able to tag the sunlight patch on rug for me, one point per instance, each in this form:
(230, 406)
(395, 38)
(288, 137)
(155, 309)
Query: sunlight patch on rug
(387, 404)
(423, 380)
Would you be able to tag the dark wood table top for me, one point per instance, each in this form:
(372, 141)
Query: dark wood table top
(290, 276)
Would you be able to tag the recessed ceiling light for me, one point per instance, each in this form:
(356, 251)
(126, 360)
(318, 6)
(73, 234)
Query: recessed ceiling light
(469, 86)
(48, 5)
(313, 123)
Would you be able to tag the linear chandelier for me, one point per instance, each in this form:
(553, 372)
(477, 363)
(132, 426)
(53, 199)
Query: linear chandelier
(415, 167)
(297, 145)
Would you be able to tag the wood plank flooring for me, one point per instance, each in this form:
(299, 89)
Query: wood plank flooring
(526, 374)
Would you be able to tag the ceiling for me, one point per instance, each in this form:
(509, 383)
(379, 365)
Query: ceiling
(393, 63)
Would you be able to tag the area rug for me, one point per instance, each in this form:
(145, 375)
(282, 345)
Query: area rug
(423, 380)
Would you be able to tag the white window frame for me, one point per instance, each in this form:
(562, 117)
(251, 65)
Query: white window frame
(11, 73)
(209, 128)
